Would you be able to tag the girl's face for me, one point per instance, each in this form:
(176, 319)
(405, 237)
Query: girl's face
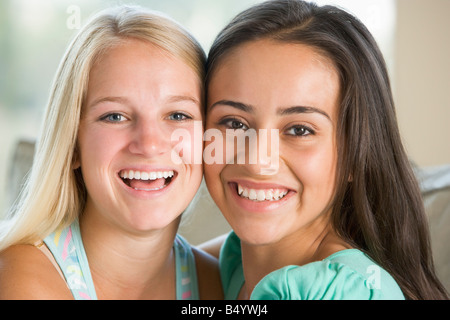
(137, 96)
(295, 90)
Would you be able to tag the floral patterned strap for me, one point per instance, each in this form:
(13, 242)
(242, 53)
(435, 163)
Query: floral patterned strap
(187, 284)
(67, 249)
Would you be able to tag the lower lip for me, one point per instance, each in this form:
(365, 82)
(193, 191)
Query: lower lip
(257, 206)
(148, 193)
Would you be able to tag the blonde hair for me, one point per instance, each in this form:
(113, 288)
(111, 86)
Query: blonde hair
(54, 194)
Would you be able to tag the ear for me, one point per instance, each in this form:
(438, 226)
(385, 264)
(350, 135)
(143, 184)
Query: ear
(76, 163)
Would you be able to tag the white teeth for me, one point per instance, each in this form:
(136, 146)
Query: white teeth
(143, 175)
(261, 194)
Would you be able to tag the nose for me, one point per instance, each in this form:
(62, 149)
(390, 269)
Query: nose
(261, 154)
(149, 139)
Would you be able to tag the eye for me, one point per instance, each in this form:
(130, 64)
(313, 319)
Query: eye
(113, 117)
(179, 116)
(300, 131)
(232, 123)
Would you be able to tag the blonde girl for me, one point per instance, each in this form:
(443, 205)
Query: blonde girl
(97, 217)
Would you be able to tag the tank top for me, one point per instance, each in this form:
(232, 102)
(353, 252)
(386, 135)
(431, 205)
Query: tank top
(67, 249)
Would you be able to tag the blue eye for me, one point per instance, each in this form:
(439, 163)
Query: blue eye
(113, 117)
(300, 131)
(178, 116)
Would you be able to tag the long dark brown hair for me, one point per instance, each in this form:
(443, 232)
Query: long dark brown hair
(378, 206)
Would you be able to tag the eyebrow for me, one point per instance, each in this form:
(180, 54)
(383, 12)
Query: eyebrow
(181, 98)
(238, 105)
(301, 109)
(121, 100)
(124, 100)
(281, 111)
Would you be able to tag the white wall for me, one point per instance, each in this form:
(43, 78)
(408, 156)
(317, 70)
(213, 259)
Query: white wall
(422, 79)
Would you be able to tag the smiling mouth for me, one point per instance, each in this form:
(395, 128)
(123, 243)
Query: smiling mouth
(147, 181)
(260, 195)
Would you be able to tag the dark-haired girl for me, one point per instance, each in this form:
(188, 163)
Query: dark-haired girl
(341, 216)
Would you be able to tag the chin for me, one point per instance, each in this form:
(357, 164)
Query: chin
(257, 234)
(153, 221)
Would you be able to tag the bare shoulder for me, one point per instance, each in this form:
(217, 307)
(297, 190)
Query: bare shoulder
(209, 283)
(26, 273)
(329, 246)
(214, 245)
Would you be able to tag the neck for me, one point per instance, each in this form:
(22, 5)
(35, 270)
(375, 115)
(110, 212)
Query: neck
(303, 247)
(129, 266)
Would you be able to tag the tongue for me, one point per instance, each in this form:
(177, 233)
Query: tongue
(147, 184)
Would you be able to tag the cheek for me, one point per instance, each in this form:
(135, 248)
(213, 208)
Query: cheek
(316, 169)
(213, 180)
(187, 145)
(96, 149)
(214, 156)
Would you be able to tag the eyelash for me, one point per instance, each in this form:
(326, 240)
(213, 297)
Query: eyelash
(107, 117)
(227, 122)
(307, 131)
(185, 116)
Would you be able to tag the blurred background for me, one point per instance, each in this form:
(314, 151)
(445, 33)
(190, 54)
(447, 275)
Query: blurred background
(414, 36)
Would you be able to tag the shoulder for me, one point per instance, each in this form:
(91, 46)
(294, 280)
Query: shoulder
(346, 275)
(230, 257)
(26, 273)
(208, 275)
(213, 246)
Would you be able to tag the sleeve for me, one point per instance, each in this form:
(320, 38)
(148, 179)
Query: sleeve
(320, 280)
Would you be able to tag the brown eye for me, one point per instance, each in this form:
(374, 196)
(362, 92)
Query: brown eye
(233, 124)
(300, 131)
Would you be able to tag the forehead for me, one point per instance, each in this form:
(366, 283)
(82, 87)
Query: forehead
(140, 69)
(278, 74)
(274, 53)
(133, 55)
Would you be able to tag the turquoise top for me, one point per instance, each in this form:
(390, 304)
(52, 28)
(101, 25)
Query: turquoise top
(67, 248)
(348, 274)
